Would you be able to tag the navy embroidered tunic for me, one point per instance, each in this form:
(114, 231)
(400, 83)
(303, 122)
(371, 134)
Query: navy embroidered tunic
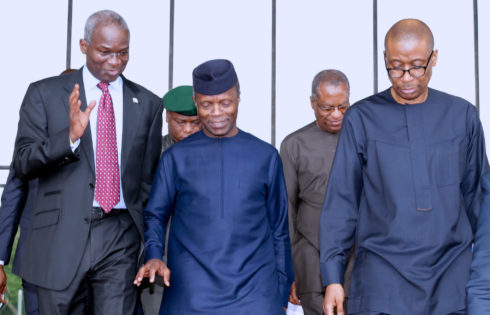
(228, 250)
(405, 186)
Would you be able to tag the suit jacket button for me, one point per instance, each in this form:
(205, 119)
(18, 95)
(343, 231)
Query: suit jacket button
(86, 220)
(91, 186)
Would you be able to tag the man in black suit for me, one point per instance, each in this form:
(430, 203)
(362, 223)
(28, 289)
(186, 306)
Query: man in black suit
(95, 172)
(15, 211)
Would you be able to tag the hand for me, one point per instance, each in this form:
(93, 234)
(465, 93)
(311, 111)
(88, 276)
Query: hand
(78, 119)
(151, 267)
(293, 298)
(3, 284)
(334, 297)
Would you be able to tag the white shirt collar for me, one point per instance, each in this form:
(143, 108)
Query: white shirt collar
(90, 82)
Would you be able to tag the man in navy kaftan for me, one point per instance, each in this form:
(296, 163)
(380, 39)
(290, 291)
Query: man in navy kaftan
(229, 250)
(405, 187)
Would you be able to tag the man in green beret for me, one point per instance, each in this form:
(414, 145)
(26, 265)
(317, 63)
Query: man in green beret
(181, 114)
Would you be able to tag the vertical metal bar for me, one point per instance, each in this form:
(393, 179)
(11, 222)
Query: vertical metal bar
(68, 34)
(375, 45)
(477, 63)
(171, 46)
(273, 76)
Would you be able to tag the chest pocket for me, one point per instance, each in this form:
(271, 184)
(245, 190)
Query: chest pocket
(449, 159)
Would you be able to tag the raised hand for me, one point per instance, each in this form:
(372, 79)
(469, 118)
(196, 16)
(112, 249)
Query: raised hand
(78, 119)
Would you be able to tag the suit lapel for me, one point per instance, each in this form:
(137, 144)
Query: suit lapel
(132, 108)
(86, 145)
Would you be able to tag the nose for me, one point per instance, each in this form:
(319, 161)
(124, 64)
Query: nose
(114, 59)
(406, 76)
(188, 128)
(216, 110)
(337, 113)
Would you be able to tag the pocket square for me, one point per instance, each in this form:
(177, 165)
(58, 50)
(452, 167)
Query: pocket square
(135, 100)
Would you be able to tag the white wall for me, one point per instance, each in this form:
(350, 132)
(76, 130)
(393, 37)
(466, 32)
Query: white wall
(311, 36)
(33, 47)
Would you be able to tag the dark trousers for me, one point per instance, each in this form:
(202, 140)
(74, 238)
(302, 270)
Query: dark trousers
(30, 298)
(312, 303)
(103, 283)
(151, 296)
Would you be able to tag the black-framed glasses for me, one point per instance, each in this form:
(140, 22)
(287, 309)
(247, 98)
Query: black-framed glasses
(330, 108)
(415, 71)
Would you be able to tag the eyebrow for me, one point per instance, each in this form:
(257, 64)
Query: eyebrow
(102, 46)
(330, 105)
(411, 61)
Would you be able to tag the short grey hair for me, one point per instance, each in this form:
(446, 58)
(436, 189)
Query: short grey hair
(105, 16)
(331, 77)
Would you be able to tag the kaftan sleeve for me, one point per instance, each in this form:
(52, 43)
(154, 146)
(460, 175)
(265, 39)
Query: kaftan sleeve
(291, 177)
(277, 213)
(159, 209)
(478, 287)
(341, 206)
(476, 166)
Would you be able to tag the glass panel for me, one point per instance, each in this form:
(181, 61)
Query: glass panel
(33, 47)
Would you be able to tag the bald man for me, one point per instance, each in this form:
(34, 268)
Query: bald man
(404, 187)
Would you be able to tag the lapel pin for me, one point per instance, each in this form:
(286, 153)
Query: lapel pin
(135, 100)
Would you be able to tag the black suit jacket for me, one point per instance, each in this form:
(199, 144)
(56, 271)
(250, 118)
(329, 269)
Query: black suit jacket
(60, 224)
(16, 210)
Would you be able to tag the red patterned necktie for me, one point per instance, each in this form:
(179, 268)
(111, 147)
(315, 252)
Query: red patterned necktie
(107, 166)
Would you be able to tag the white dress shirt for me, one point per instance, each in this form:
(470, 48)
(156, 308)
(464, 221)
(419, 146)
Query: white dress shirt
(92, 92)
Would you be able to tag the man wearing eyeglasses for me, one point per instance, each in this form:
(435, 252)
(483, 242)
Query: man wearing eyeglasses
(404, 187)
(94, 170)
(307, 155)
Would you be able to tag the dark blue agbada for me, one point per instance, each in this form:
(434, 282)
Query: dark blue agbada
(405, 186)
(228, 249)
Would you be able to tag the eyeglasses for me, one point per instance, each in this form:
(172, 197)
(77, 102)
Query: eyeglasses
(123, 55)
(329, 108)
(415, 72)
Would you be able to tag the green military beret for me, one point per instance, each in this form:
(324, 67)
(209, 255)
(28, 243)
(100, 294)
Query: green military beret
(179, 100)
